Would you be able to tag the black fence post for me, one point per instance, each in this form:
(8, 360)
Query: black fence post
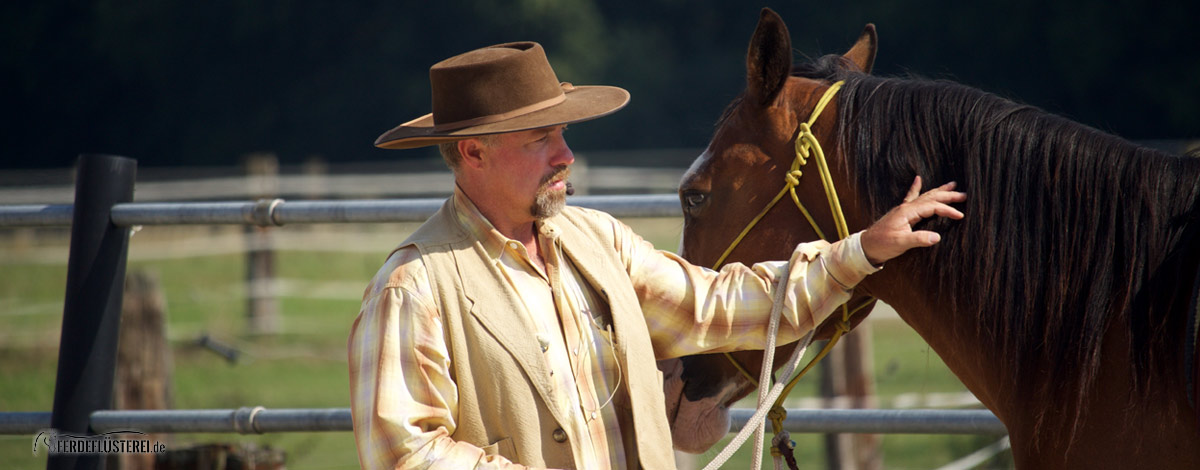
(92, 307)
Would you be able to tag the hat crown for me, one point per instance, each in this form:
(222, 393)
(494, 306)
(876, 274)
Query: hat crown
(499, 89)
(492, 81)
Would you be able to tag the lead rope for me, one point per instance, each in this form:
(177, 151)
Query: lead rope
(755, 423)
(806, 145)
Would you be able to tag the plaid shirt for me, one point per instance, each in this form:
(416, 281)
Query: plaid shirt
(405, 398)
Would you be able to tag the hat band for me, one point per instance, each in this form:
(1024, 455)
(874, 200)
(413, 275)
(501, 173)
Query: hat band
(450, 126)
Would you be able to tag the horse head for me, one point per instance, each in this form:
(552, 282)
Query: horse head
(1061, 300)
(743, 168)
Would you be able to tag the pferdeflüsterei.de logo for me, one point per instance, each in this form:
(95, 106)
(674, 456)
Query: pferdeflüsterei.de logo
(113, 442)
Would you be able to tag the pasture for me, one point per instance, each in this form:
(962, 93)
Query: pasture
(320, 273)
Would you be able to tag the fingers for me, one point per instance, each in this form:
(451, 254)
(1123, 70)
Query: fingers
(947, 211)
(934, 202)
(926, 238)
(946, 187)
(946, 193)
(936, 198)
(881, 243)
(893, 234)
(943, 193)
(914, 190)
(927, 209)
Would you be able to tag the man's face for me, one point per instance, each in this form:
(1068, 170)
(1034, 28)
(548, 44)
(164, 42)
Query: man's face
(532, 168)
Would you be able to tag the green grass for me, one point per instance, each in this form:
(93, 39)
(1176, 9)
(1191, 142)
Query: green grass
(900, 451)
(304, 365)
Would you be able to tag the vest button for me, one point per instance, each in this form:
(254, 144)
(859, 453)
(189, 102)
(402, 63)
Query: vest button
(559, 435)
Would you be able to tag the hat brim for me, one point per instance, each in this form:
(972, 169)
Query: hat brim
(581, 104)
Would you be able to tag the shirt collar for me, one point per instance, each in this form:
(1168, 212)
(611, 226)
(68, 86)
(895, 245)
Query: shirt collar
(481, 229)
(476, 225)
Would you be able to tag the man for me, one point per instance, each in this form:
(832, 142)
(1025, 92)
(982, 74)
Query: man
(510, 330)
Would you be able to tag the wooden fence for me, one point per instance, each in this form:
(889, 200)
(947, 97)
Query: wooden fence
(103, 213)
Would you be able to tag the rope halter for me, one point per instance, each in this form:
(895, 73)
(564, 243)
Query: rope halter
(806, 146)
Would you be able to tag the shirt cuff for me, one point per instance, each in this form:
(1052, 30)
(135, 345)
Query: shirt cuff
(846, 261)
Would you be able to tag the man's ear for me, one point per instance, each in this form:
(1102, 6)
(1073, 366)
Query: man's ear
(472, 151)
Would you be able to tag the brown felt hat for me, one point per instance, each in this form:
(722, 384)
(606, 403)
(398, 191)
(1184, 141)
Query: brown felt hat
(497, 89)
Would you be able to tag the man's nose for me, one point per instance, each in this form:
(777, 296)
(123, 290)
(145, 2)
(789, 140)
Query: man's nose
(564, 156)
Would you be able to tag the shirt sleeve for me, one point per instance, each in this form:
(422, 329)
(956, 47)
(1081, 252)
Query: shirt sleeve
(403, 398)
(692, 310)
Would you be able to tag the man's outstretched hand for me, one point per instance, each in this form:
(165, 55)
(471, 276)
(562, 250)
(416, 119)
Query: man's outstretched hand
(892, 234)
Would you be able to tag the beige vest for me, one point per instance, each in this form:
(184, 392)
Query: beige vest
(503, 381)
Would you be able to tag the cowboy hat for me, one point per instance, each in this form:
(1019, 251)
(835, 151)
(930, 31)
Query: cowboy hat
(503, 88)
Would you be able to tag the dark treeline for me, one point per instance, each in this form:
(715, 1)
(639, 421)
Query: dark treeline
(203, 83)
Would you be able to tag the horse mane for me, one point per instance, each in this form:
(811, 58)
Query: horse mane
(1069, 231)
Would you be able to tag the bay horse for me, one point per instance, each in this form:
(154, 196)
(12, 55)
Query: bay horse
(1061, 300)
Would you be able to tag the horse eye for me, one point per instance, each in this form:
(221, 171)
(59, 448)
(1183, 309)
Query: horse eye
(693, 200)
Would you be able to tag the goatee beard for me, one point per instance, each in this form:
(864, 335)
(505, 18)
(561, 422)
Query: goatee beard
(547, 202)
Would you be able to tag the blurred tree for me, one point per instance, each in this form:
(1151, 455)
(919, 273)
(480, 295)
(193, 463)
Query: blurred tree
(186, 83)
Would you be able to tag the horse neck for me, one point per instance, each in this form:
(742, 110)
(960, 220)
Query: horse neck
(948, 334)
(1036, 184)
(1066, 230)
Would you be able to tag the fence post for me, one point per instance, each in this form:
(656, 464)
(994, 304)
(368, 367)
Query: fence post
(92, 306)
(832, 385)
(316, 178)
(847, 378)
(143, 360)
(262, 172)
(860, 388)
(581, 183)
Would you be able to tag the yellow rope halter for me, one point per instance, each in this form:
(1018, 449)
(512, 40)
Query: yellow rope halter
(806, 146)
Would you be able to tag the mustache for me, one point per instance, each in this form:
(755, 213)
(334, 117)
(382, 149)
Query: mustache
(562, 173)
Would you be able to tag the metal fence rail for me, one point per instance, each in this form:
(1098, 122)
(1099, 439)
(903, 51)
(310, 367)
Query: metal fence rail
(272, 212)
(219, 184)
(258, 420)
(100, 235)
(883, 421)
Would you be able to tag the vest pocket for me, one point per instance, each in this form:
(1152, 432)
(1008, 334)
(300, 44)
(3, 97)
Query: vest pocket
(503, 447)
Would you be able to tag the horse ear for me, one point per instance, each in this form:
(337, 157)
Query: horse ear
(863, 52)
(769, 59)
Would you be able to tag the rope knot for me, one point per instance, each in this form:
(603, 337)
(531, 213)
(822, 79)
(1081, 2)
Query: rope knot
(843, 326)
(792, 178)
(802, 149)
(782, 439)
(783, 446)
(777, 415)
